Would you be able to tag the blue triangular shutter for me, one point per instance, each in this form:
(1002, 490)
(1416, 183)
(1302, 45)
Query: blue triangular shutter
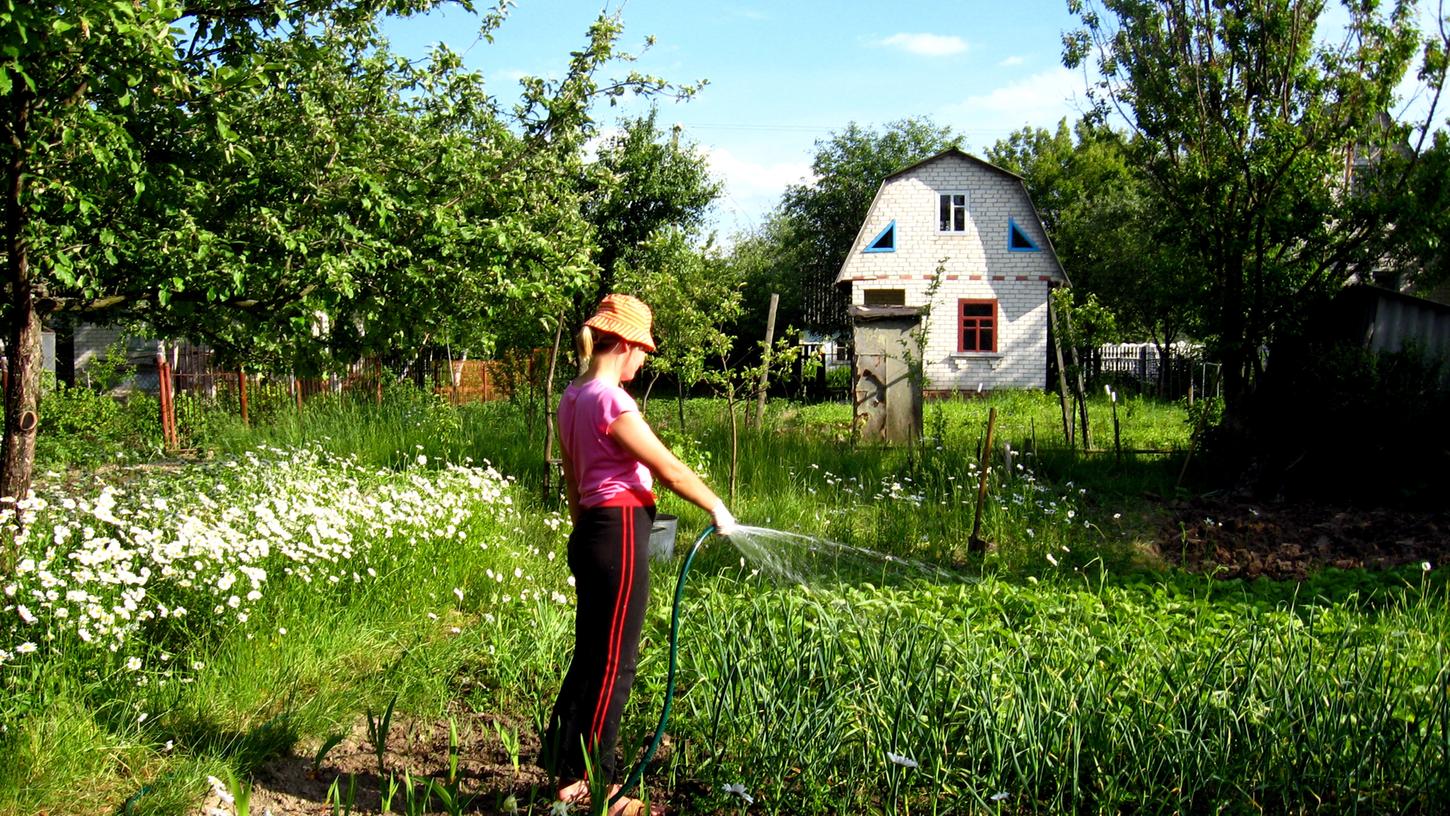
(1017, 240)
(885, 240)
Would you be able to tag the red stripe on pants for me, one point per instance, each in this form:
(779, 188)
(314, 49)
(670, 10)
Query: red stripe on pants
(616, 625)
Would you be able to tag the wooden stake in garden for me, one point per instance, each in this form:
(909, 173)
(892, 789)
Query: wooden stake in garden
(976, 543)
(765, 367)
(242, 393)
(166, 396)
(1117, 431)
(550, 462)
(1068, 429)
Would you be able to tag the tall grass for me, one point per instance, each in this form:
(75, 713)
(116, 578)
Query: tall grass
(1067, 698)
(1053, 675)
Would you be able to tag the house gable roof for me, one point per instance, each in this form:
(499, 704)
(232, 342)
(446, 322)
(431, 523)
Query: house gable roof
(958, 153)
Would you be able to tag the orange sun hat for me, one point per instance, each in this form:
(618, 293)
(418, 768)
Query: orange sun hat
(625, 316)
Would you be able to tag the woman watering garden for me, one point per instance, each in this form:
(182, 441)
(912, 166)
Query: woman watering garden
(610, 458)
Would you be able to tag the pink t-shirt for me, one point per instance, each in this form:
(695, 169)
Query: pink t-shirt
(602, 468)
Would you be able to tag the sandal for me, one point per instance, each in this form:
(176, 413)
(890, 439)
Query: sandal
(635, 807)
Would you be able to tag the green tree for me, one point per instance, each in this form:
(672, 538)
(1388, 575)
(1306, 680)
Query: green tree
(1102, 216)
(694, 296)
(1242, 124)
(274, 180)
(644, 182)
(73, 79)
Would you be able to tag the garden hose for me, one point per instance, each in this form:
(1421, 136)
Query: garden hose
(634, 776)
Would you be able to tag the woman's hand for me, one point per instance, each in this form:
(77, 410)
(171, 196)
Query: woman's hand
(724, 522)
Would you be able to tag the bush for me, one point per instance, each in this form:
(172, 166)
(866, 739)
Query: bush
(87, 424)
(1340, 422)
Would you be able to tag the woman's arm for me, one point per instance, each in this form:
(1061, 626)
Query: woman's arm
(635, 436)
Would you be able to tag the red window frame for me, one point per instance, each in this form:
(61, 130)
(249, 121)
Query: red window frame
(976, 324)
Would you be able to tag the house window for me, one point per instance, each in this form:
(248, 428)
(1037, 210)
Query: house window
(1017, 240)
(885, 297)
(953, 211)
(977, 330)
(885, 240)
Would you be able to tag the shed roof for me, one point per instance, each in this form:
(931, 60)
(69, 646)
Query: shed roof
(862, 314)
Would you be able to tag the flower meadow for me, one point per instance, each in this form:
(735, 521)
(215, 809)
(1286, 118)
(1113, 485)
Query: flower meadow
(172, 623)
(165, 606)
(123, 569)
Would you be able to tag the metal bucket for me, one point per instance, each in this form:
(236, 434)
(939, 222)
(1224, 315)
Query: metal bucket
(662, 536)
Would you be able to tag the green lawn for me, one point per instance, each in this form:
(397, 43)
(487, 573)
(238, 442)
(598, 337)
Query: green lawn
(330, 563)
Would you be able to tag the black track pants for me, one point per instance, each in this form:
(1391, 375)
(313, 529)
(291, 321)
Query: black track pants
(609, 556)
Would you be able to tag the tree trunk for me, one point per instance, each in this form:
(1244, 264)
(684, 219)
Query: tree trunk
(22, 386)
(1232, 331)
(648, 389)
(22, 357)
(680, 399)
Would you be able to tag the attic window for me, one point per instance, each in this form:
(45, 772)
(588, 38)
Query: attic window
(1017, 240)
(953, 210)
(885, 240)
(885, 297)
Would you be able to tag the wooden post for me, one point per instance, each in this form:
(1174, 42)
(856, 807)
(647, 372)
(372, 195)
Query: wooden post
(765, 365)
(161, 393)
(166, 397)
(1067, 426)
(1077, 384)
(379, 369)
(975, 543)
(549, 461)
(242, 393)
(1117, 433)
(452, 378)
(297, 391)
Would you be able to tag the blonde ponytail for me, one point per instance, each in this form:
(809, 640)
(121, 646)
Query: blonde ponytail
(584, 347)
(590, 342)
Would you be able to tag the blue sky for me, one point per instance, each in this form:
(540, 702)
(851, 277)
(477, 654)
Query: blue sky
(785, 74)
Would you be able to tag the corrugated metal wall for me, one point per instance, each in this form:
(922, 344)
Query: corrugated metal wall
(1399, 322)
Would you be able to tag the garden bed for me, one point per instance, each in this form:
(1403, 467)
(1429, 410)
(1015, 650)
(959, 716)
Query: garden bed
(1238, 538)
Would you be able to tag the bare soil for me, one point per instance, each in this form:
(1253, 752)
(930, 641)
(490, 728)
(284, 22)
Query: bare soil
(487, 778)
(1237, 538)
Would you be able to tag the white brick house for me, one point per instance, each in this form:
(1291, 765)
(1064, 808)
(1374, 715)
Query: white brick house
(987, 326)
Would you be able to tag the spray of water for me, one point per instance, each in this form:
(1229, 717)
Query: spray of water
(813, 561)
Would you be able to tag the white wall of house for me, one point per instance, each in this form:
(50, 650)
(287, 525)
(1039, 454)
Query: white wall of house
(976, 263)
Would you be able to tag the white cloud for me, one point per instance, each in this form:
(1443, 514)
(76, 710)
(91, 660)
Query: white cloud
(752, 187)
(1011, 62)
(1039, 101)
(926, 45)
(747, 13)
